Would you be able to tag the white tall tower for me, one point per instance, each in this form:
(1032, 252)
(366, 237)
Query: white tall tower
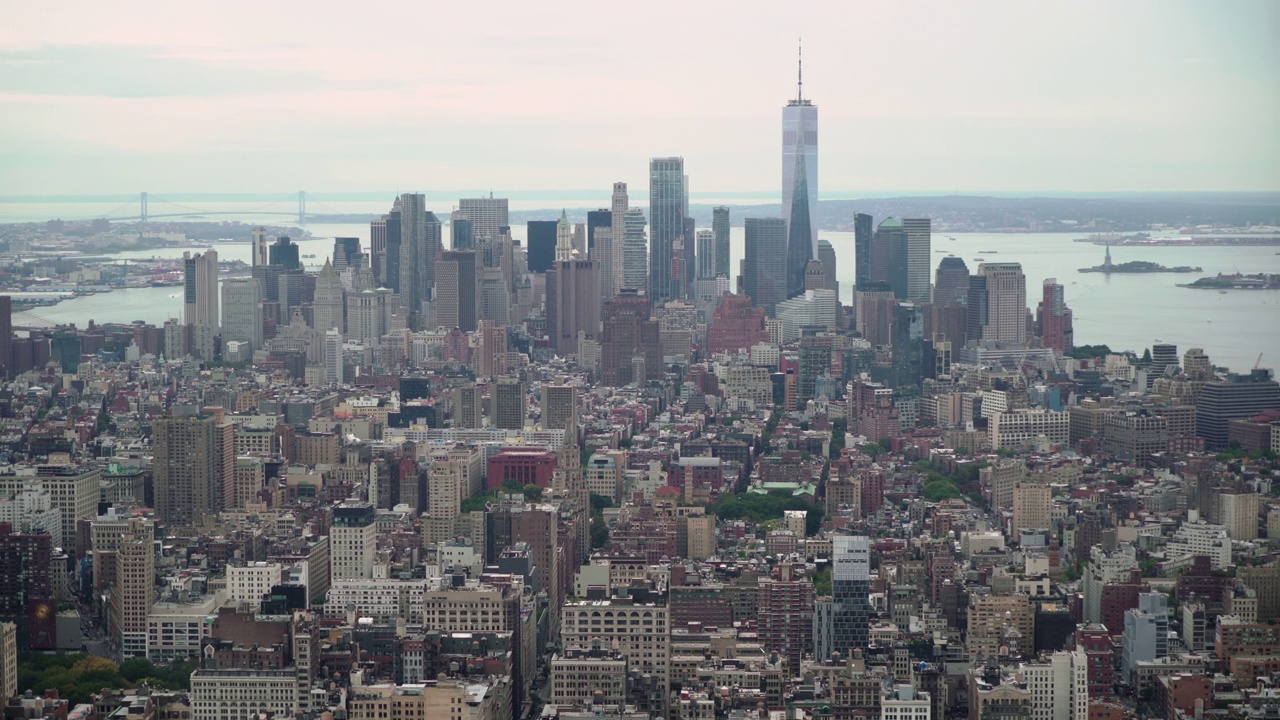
(564, 239)
(617, 262)
(800, 140)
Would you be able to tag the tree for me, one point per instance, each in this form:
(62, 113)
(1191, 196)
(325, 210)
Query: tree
(838, 430)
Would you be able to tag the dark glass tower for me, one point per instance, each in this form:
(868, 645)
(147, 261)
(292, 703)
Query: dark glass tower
(799, 231)
(764, 267)
(541, 236)
(597, 219)
(720, 226)
(666, 223)
(862, 236)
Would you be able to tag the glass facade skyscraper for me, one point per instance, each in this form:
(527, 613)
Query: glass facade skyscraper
(666, 224)
(843, 624)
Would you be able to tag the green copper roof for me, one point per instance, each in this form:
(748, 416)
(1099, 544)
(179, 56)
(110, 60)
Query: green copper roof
(890, 223)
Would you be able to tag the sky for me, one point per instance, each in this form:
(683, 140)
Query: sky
(1022, 97)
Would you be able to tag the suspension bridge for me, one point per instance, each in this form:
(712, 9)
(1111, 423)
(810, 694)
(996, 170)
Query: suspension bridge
(151, 207)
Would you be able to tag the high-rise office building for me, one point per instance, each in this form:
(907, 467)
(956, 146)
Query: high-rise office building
(261, 254)
(328, 306)
(131, 593)
(667, 202)
(284, 252)
(599, 224)
(540, 237)
(469, 406)
(1239, 396)
(378, 250)
(890, 242)
(508, 403)
(918, 260)
(564, 238)
(462, 232)
(1006, 295)
(200, 289)
(559, 406)
(720, 226)
(630, 346)
(242, 312)
(843, 623)
(801, 244)
(456, 290)
(764, 266)
(977, 307)
(346, 251)
(907, 346)
(1054, 318)
(951, 282)
(785, 614)
(353, 541)
(191, 472)
(705, 242)
(488, 216)
(635, 252)
(367, 313)
(421, 242)
(573, 304)
(800, 163)
(333, 370)
(827, 256)
(862, 242)
(612, 265)
(491, 349)
(1164, 359)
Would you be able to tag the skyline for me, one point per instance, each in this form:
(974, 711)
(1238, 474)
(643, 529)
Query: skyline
(1164, 97)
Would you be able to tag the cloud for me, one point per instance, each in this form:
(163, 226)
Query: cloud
(120, 71)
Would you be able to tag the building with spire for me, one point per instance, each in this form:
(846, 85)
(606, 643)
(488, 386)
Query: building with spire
(327, 308)
(800, 166)
(564, 238)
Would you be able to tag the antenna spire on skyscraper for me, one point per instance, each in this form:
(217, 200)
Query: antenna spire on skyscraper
(800, 70)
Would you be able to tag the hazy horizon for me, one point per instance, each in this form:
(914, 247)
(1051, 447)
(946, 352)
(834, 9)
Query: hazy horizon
(1079, 98)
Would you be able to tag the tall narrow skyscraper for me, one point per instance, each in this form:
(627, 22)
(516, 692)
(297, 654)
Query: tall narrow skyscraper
(260, 253)
(413, 252)
(1006, 295)
(890, 251)
(200, 289)
(764, 265)
(666, 224)
(800, 162)
(919, 239)
(612, 264)
(720, 226)
(706, 254)
(862, 241)
(635, 252)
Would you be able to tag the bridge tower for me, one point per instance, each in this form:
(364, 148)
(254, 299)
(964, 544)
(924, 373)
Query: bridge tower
(143, 210)
(302, 207)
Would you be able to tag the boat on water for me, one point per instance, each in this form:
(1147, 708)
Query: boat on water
(990, 252)
(977, 259)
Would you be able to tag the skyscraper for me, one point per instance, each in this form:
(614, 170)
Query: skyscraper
(456, 290)
(242, 312)
(800, 162)
(378, 249)
(327, 307)
(918, 261)
(951, 282)
(827, 256)
(390, 261)
(635, 252)
(346, 252)
(353, 541)
(862, 241)
(907, 346)
(612, 263)
(801, 247)
(333, 374)
(540, 236)
(200, 289)
(1054, 318)
(414, 254)
(891, 242)
(189, 468)
(720, 226)
(629, 341)
(6, 335)
(487, 215)
(843, 624)
(764, 267)
(564, 238)
(462, 232)
(599, 229)
(706, 254)
(284, 252)
(977, 306)
(573, 295)
(1006, 289)
(261, 256)
(666, 224)
(508, 403)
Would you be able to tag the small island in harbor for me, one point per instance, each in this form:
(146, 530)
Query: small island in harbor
(1136, 266)
(1236, 281)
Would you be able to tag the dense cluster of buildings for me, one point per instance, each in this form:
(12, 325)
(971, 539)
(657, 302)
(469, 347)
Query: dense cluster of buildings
(584, 477)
